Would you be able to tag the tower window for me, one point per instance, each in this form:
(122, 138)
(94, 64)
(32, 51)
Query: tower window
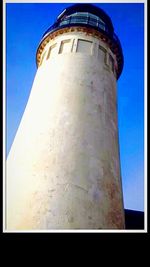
(111, 63)
(84, 46)
(51, 51)
(43, 57)
(102, 53)
(65, 46)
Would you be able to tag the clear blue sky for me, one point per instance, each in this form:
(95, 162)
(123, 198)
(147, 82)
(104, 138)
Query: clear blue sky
(25, 25)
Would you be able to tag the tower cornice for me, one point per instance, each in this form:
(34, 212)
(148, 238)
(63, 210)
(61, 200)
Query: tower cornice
(112, 43)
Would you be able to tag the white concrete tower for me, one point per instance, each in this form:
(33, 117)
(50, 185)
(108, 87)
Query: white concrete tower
(63, 170)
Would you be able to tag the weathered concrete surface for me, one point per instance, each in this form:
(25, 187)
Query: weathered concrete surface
(63, 170)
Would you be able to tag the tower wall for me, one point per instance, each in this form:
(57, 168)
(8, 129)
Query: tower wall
(63, 170)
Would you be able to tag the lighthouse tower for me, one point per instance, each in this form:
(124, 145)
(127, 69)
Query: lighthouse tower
(63, 169)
